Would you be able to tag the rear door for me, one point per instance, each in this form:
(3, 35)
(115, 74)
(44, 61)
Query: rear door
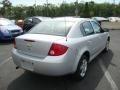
(101, 37)
(90, 38)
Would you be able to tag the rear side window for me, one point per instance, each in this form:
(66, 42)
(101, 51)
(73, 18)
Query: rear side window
(96, 27)
(82, 29)
(88, 28)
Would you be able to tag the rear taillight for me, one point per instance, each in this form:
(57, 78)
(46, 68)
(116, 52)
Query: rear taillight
(57, 50)
(14, 43)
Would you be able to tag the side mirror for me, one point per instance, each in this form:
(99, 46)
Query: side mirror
(104, 30)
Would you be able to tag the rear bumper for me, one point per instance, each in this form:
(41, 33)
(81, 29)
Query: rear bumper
(53, 66)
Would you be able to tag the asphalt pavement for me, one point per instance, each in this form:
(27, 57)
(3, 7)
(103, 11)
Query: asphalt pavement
(103, 72)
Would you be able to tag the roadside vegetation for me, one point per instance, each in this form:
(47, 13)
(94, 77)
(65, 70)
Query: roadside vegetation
(88, 9)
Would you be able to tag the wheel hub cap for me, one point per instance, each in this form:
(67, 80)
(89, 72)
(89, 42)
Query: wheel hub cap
(83, 68)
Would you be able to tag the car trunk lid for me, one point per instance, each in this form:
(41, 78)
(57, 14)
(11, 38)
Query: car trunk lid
(37, 45)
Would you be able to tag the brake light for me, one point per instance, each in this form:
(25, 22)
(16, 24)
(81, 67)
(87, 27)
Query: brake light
(57, 50)
(14, 43)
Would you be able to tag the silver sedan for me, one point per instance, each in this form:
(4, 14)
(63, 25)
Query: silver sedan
(60, 46)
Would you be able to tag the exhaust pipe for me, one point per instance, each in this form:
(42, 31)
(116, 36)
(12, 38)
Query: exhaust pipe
(17, 67)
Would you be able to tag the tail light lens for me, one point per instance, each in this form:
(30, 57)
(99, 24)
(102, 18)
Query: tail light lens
(57, 50)
(14, 43)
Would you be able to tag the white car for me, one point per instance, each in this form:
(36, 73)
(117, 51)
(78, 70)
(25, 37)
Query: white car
(60, 46)
(99, 19)
(114, 19)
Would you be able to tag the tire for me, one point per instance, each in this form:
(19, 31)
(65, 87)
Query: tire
(82, 68)
(107, 46)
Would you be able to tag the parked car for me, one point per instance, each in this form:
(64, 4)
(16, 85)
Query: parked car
(13, 21)
(8, 30)
(100, 19)
(114, 19)
(32, 21)
(60, 46)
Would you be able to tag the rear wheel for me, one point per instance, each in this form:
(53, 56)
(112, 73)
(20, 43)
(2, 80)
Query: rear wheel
(82, 67)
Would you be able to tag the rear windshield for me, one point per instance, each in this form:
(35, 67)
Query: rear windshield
(58, 28)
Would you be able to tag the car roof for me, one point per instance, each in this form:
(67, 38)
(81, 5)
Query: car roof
(69, 19)
(39, 17)
(99, 18)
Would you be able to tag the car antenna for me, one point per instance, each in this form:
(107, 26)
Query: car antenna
(64, 1)
(65, 28)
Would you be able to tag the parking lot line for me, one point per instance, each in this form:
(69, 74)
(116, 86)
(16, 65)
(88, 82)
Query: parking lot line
(5, 61)
(108, 76)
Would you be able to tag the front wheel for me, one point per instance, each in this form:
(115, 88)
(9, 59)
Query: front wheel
(107, 46)
(82, 67)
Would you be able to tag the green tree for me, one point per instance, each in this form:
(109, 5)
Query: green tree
(19, 12)
(30, 11)
(86, 10)
(6, 9)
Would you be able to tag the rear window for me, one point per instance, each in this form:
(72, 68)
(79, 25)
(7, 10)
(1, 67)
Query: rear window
(58, 28)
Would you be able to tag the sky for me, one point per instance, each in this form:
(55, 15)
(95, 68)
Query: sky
(40, 2)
